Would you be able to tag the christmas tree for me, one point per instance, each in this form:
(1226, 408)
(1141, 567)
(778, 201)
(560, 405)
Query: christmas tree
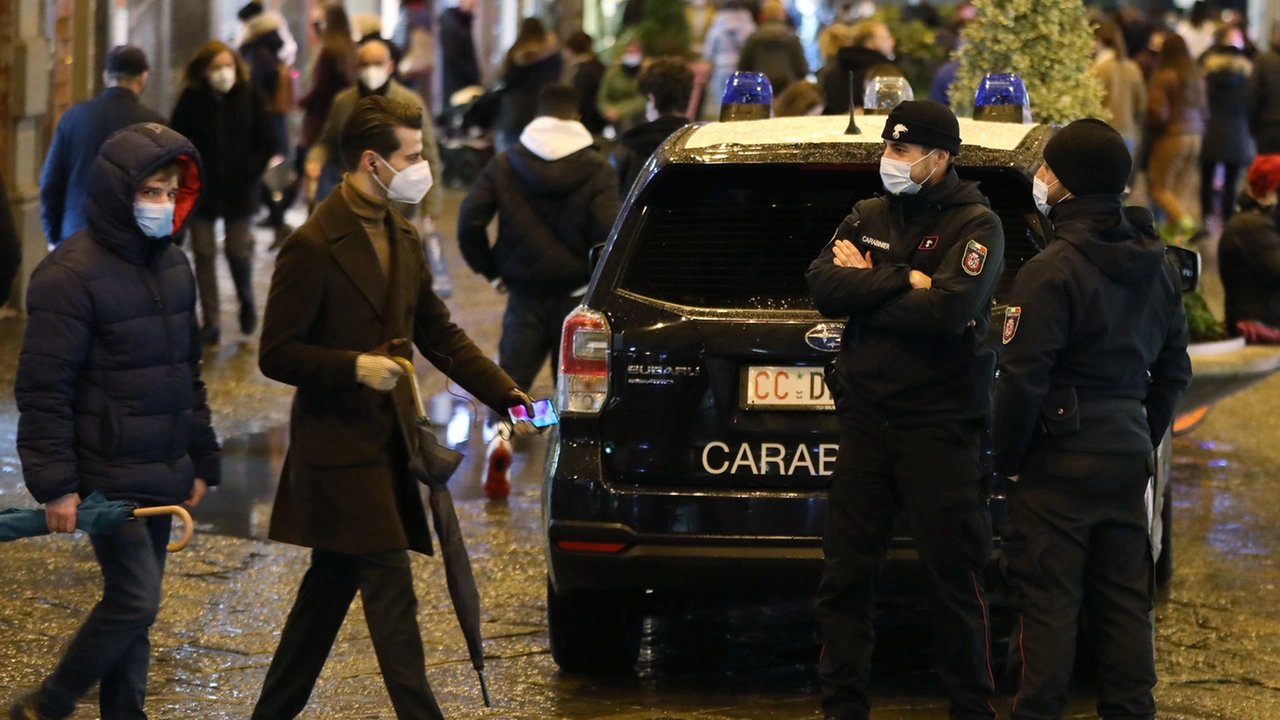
(1048, 43)
(665, 29)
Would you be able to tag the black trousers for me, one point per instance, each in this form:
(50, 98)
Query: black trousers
(530, 333)
(1078, 542)
(385, 583)
(1230, 181)
(933, 475)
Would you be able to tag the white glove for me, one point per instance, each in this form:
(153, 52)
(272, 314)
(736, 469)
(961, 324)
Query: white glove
(378, 372)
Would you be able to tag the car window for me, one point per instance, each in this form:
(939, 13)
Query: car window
(742, 236)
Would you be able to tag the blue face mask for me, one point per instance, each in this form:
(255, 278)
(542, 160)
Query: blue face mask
(155, 219)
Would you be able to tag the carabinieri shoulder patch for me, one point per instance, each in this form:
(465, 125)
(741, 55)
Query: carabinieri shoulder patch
(1011, 317)
(975, 257)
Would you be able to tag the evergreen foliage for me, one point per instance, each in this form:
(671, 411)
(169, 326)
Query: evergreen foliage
(665, 29)
(1048, 43)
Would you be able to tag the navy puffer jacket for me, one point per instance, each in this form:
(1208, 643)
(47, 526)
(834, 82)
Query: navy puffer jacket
(108, 382)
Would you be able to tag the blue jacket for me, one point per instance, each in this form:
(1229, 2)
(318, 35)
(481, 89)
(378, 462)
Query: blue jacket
(64, 183)
(108, 385)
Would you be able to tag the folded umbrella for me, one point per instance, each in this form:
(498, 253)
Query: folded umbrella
(94, 515)
(432, 464)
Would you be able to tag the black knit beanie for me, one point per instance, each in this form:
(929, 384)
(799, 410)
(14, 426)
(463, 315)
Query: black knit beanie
(923, 122)
(1089, 157)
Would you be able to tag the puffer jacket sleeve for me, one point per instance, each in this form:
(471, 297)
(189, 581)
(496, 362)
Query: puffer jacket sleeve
(53, 353)
(477, 211)
(204, 449)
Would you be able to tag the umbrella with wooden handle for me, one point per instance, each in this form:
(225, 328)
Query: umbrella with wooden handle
(179, 512)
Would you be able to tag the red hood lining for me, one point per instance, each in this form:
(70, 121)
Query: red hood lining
(188, 189)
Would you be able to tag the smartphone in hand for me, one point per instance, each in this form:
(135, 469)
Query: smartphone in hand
(544, 414)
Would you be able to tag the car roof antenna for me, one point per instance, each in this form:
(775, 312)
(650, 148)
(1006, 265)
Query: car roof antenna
(853, 128)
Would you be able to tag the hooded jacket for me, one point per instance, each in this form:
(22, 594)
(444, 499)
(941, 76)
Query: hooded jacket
(527, 71)
(108, 386)
(835, 82)
(1249, 263)
(555, 196)
(1226, 134)
(911, 357)
(262, 47)
(1094, 319)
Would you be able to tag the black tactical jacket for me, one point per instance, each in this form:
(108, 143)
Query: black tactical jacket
(915, 356)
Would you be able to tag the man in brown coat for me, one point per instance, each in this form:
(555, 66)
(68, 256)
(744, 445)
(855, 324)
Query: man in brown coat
(350, 286)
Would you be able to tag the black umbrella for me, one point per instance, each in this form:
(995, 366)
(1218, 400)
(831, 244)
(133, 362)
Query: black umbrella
(95, 514)
(433, 464)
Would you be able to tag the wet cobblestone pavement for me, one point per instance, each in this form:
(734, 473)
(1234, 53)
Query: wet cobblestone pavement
(226, 597)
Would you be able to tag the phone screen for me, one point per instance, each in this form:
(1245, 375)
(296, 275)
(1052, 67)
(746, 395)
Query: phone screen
(544, 414)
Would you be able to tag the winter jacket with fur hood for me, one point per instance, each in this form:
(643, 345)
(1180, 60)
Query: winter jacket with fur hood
(108, 387)
(555, 196)
(527, 71)
(1226, 80)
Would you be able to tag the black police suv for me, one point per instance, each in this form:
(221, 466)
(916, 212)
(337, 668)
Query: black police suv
(697, 437)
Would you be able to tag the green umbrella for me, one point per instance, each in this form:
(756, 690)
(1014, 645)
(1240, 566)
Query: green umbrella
(94, 515)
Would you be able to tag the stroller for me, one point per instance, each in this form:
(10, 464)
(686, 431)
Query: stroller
(466, 143)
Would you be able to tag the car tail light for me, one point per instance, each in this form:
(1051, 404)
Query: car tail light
(583, 386)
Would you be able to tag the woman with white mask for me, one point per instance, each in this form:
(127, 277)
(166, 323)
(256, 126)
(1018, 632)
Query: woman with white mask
(225, 116)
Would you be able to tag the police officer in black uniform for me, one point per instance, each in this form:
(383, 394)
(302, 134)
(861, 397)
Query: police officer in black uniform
(1093, 364)
(913, 272)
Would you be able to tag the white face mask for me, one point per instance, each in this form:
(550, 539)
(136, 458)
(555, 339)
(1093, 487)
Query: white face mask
(223, 79)
(409, 185)
(155, 219)
(896, 175)
(1040, 192)
(374, 76)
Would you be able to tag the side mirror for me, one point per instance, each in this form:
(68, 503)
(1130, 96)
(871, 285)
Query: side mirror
(1188, 264)
(597, 252)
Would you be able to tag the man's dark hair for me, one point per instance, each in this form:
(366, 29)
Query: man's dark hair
(558, 101)
(579, 43)
(670, 81)
(372, 126)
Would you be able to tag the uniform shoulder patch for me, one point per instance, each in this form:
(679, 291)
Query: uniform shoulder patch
(1011, 317)
(975, 258)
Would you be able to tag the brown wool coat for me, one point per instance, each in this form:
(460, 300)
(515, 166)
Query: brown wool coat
(344, 487)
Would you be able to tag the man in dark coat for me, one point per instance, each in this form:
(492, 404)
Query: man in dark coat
(64, 182)
(111, 401)
(459, 65)
(350, 286)
(1264, 97)
(10, 247)
(668, 85)
(1093, 365)
(1249, 251)
(872, 45)
(556, 197)
(913, 273)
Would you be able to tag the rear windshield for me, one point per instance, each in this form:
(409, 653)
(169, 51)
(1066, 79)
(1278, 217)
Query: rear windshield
(742, 236)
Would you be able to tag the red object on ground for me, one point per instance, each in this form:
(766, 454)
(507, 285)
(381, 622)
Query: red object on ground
(1256, 333)
(497, 469)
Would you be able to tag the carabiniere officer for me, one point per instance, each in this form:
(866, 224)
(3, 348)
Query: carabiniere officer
(913, 273)
(1093, 364)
